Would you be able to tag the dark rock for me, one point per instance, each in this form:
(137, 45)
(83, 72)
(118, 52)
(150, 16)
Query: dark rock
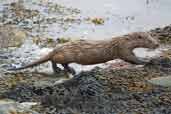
(101, 91)
(162, 34)
(87, 93)
(20, 93)
(162, 63)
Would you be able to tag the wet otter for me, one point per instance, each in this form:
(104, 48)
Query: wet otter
(93, 52)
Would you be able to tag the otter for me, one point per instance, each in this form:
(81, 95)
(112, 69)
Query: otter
(88, 52)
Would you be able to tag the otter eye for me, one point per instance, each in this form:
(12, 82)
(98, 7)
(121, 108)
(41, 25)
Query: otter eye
(139, 37)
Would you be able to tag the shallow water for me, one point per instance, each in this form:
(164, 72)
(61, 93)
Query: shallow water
(120, 16)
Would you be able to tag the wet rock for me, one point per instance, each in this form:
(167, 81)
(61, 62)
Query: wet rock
(98, 91)
(20, 93)
(162, 81)
(25, 86)
(61, 10)
(92, 92)
(15, 13)
(44, 41)
(63, 40)
(84, 88)
(19, 13)
(162, 34)
(11, 36)
(96, 20)
(161, 63)
(11, 107)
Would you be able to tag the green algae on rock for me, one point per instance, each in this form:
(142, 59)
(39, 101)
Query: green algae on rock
(96, 20)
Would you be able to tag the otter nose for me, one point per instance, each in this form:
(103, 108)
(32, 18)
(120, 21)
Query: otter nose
(156, 45)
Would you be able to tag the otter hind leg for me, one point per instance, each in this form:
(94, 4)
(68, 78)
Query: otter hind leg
(56, 69)
(68, 69)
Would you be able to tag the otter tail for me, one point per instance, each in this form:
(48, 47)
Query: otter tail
(35, 63)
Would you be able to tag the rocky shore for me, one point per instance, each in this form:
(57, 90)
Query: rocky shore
(100, 91)
(116, 89)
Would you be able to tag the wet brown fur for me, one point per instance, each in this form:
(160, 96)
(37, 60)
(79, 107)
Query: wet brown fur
(88, 52)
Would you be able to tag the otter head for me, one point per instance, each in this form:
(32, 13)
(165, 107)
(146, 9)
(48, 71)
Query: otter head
(144, 40)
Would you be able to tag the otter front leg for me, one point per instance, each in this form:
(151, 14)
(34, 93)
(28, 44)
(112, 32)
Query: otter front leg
(131, 58)
(127, 55)
(55, 68)
(68, 69)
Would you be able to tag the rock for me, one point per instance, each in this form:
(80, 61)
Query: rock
(162, 34)
(162, 81)
(100, 90)
(123, 91)
(63, 40)
(96, 20)
(162, 63)
(11, 37)
(11, 107)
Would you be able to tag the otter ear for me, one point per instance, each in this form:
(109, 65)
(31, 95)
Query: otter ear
(148, 33)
